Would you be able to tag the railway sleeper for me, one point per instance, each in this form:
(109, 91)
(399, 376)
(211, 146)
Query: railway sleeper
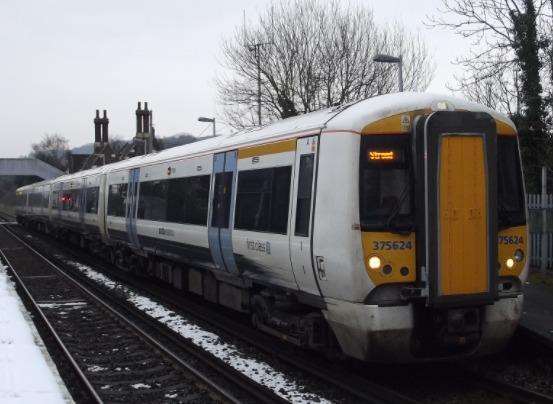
(275, 312)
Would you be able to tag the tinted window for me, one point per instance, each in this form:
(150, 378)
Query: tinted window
(92, 195)
(262, 200)
(117, 198)
(385, 185)
(221, 199)
(188, 200)
(152, 200)
(71, 200)
(55, 199)
(305, 183)
(35, 199)
(45, 197)
(510, 196)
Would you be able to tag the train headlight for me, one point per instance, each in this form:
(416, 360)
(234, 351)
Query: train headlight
(510, 263)
(519, 255)
(374, 262)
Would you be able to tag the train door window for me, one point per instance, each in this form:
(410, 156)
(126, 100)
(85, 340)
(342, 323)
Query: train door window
(117, 199)
(92, 195)
(152, 200)
(221, 200)
(55, 199)
(262, 200)
(280, 200)
(75, 200)
(305, 185)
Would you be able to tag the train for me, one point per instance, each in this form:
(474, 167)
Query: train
(391, 229)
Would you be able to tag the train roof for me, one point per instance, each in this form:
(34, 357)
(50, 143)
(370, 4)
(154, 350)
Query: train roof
(350, 117)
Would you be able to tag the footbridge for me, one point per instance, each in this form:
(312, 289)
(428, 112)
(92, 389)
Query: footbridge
(28, 167)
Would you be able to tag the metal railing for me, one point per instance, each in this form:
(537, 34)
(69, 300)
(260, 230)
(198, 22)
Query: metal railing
(540, 223)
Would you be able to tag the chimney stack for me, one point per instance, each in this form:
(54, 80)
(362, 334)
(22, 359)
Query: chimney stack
(105, 123)
(97, 129)
(139, 118)
(146, 116)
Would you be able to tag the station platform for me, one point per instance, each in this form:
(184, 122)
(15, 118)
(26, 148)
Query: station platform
(27, 373)
(537, 315)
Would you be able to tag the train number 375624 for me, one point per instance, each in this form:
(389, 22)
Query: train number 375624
(392, 245)
(510, 240)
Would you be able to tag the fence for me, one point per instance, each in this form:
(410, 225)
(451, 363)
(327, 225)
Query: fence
(540, 222)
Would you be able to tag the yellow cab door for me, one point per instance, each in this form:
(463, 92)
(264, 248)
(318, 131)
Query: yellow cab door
(457, 255)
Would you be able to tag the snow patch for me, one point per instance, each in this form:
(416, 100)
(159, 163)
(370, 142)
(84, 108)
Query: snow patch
(259, 371)
(141, 386)
(26, 375)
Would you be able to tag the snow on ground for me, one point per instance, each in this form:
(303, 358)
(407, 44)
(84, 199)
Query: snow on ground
(257, 370)
(26, 375)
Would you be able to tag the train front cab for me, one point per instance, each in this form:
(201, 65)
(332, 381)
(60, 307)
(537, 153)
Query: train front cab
(444, 237)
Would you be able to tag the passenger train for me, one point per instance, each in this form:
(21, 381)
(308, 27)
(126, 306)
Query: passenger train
(392, 229)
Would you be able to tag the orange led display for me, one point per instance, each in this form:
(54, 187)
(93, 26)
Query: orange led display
(381, 155)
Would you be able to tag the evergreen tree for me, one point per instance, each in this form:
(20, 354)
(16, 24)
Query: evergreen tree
(531, 121)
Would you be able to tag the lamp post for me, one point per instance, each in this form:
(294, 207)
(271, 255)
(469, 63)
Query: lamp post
(256, 49)
(210, 120)
(381, 58)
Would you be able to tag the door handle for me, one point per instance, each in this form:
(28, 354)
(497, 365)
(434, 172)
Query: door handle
(321, 267)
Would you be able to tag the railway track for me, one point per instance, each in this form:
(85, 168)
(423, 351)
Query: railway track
(114, 357)
(360, 387)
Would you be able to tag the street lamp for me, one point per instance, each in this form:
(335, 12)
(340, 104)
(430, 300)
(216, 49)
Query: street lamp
(210, 120)
(381, 58)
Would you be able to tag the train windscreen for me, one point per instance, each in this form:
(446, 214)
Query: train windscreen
(510, 195)
(386, 186)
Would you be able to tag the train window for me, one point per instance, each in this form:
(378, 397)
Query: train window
(221, 199)
(188, 199)
(305, 185)
(385, 183)
(71, 200)
(45, 196)
(55, 199)
(152, 200)
(92, 194)
(117, 200)
(35, 199)
(262, 200)
(510, 197)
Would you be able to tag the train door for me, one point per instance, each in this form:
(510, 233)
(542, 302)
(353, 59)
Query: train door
(456, 200)
(131, 207)
(301, 237)
(82, 202)
(222, 211)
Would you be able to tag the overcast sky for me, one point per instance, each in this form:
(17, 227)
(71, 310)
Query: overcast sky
(63, 59)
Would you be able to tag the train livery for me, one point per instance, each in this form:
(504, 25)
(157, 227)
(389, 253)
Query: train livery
(392, 228)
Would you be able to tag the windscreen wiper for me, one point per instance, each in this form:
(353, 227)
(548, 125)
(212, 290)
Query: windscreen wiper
(397, 208)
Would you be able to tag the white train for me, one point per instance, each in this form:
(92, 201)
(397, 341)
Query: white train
(393, 228)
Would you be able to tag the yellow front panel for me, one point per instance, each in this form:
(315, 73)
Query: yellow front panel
(395, 250)
(510, 240)
(462, 216)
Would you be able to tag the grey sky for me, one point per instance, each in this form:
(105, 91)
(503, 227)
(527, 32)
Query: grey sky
(63, 59)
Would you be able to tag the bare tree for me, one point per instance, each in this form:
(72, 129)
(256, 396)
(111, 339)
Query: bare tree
(52, 149)
(314, 54)
(491, 67)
